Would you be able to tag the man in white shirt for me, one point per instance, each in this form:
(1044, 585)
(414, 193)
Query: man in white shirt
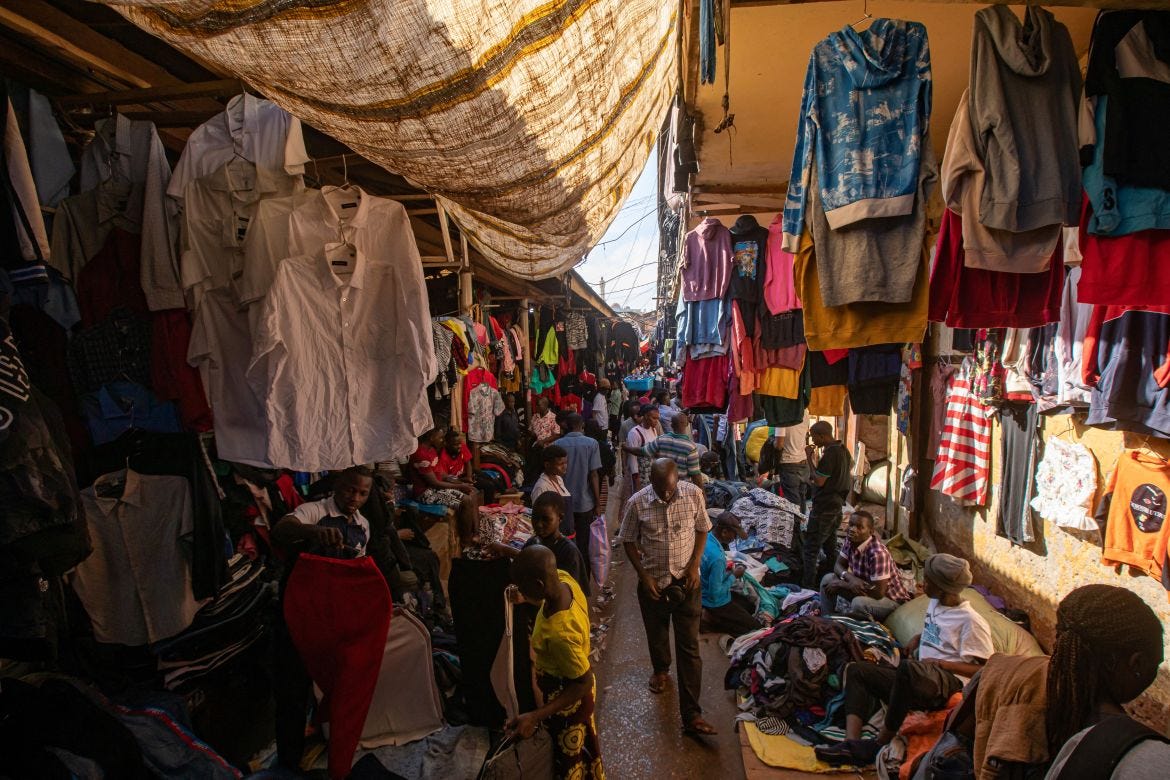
(552, 479)
(954, 644)
(600, 406)
(333, 527)
(793, 472)
(637, 462)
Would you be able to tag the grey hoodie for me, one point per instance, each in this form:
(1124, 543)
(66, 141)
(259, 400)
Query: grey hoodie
(1025, 84)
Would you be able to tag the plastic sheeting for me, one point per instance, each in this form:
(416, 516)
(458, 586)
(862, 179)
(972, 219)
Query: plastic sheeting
(531, 119)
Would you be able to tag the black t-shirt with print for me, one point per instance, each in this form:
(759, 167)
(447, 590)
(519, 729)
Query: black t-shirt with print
(834, 466)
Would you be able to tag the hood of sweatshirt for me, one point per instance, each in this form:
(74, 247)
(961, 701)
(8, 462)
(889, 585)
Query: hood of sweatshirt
(1023, 47)
(709, 228)
(878, 54)
(745, 224)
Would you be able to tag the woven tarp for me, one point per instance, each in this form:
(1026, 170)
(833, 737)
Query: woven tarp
(530, 119)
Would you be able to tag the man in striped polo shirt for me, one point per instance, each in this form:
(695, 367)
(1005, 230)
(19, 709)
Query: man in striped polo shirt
(679, 447)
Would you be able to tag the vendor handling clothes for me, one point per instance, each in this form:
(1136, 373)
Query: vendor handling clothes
(955, 644)
(724, 611)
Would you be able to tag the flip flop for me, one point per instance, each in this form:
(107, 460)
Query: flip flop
(699, 727)
(657, 683)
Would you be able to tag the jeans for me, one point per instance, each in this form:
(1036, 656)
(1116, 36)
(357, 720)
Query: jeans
(821, 534)
(860, 607)
(912, 686)
(735, 617)
(793, 479)
(657, 615)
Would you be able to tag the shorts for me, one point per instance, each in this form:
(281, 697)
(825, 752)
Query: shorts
(448, 497)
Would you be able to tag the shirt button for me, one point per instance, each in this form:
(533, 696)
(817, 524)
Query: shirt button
(346, 324)
(343, 300)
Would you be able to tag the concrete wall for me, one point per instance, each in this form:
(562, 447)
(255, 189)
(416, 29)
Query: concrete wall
(1036, 577)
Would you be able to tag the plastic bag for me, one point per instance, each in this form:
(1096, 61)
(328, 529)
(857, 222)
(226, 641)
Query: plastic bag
(599, 550)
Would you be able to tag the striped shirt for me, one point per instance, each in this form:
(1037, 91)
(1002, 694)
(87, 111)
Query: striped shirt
(679, 448)
(963, 467)
(665, 531)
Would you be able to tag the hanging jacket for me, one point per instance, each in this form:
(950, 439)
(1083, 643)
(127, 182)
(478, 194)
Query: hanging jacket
(1025, 84)
(866, 107)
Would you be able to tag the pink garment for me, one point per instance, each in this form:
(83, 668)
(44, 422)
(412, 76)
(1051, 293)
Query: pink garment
(741, 407)
(787, 357)
(707, 261)
(779, 284)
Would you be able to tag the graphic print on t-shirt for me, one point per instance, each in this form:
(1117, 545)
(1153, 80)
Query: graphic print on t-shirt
(747, 254)
(1148, 507)
(932, 634)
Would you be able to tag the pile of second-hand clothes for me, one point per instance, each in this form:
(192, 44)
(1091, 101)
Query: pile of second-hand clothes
(789, 677)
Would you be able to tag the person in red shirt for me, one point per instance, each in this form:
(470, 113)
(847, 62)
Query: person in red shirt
(455, 458)
(432, 485)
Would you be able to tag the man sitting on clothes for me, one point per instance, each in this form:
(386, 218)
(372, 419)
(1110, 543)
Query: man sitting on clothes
(864, 575)
(431, 484)
(679, 447)
(724, 611)
(455, 458)
(954, 644)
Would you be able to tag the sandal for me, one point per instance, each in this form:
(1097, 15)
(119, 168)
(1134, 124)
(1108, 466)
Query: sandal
(658, 682)
(699, 727)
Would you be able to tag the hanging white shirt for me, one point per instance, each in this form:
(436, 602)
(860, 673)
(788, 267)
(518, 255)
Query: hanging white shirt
(379, 228)
(255, 129)
(217, 211)
(221, 348)
(345, 378)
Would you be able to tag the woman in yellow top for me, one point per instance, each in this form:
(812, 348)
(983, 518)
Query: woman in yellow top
(560, 652)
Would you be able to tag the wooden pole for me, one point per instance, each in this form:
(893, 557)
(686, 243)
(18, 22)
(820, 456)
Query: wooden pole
(525, 328)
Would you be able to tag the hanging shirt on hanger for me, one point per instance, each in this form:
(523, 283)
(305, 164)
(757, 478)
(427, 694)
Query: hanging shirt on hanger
(348, 362)
(255, 129)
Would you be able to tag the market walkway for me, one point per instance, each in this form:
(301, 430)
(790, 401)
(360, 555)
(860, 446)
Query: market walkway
(640, 733)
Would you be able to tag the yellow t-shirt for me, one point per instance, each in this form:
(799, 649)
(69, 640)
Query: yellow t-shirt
(779, 382)
(827, 401)
(858, 324)
(560, 644)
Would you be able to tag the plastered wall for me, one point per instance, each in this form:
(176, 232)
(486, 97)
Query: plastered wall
(1036, 577)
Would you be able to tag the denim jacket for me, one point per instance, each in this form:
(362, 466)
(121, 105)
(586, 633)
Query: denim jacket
(866, 109)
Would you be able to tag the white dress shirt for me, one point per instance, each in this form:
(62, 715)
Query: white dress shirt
(255, 129)
(136, 586)
(221, 348)
(129, 150)
(83, 222)
(217, 211)
(347, 368)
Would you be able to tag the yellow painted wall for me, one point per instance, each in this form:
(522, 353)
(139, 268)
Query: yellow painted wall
(1037, 577)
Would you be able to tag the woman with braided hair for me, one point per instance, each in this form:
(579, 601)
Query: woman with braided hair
(1026, 710)
(1108, 649)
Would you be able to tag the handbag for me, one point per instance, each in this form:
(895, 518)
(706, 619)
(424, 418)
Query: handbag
(599, 550)
(520, 759)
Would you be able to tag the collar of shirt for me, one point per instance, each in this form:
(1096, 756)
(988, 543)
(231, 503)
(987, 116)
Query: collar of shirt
(864, 545)
(131, 490)
(113, 137)
(333, 510)
(574, 434)
(334, 200)
(330, 280)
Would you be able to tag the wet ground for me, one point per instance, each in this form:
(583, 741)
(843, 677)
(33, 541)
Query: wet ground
(641, 734)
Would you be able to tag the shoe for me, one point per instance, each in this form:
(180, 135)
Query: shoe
(851, 752)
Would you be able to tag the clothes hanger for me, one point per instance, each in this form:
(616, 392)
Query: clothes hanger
(867, 17)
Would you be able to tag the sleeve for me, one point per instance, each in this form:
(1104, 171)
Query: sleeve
(295, 155)
(159, 271)
(883, 564)
(702, 519)
(309, 513)
(267, 346)
(628, 531)
(708, 567)
(634, 439)
(693, 463)
(976, 643)
(420, 464)
(497, 404)
(944, 277)
(569, 647)
(828, 465)
(64, 253)
(802, 160)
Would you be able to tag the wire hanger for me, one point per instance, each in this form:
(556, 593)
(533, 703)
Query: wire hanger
(867, 16)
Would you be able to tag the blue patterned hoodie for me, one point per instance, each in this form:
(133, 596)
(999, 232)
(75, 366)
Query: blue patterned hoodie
(866, 108)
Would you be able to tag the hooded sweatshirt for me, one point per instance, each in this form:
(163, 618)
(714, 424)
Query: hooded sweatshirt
(963, 180)
(1025, 84)
(706, 265)
(866, 107)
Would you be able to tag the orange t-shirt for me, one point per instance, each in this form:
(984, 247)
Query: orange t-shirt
(1137, 531)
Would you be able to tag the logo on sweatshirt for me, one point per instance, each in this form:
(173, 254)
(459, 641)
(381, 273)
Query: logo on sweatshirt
(1148, 507)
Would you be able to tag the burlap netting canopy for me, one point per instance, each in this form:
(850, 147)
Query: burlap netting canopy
(531, 119)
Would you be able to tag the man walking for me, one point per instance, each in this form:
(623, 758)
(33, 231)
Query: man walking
(830, 475)
(664, 531)
(679, 447)
(582, 478)
(637, 462)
